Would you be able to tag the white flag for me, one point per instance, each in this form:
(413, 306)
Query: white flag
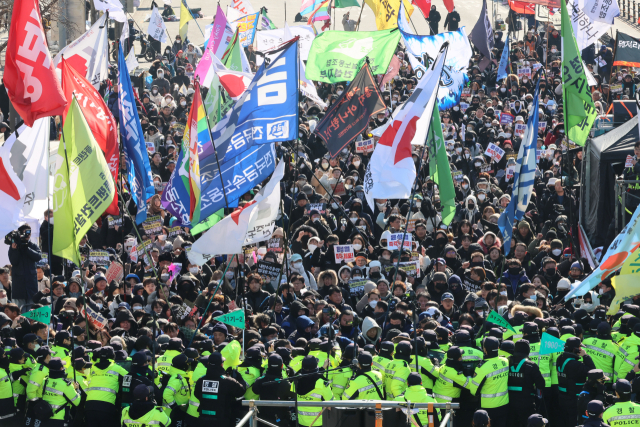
(89, 54)
(239, 8)
(307, 87)
(12, 193)
(125, 35)
(113, 6)
(586, 30)
(253, 223)
(157, 29)
(131, 60)
(29, 160)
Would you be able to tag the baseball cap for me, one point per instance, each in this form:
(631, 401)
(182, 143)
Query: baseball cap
(595, 408)
(56, 364)
(622, 386)
(480, 418)
(216, 359)
(447, 295)
(596, 374)
(141, 392)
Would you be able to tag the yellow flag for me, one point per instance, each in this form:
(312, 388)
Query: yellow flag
(83, 186)
(386, 12)
(626, 284)
(185, 17)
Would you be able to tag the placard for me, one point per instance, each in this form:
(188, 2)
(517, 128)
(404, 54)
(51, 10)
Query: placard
(115, 272)
(466, 91)
(628, 163)
(510, 171)
(458, 176)
(182, 311)
(506, 118)
(356, 287)
(519, 129)
(95, 318)
(542, 126)
(411, 225)
(152, 225)
(513, 156)
(494, 151)
(463, 106)
(524, 71)
(320, 207)
(174, 232)
(395, 240)
(275, 244)
(538, 155)
(615, 88)
(268, 268)
(411, 268)
(99, 257)
(486, 168)
(338, 189)
(343, 253)
(151, 147)
(44, 260)
(365, 146)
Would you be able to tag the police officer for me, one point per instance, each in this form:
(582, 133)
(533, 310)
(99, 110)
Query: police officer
(340, 378)
(143, 411)
(491, 381)
(60, 392)
(531, 333)
(593, 389)
(595, 411)
(174, 348)
(416, 393)
(251, 370)
(175, 396)
(140, 373)
(103, 390)
(451, 382)
(19, 377)
(624, 412)
(572, 374)
(602, 350)
(367, 384)
(36, 381)
(472, 356)
(398, 370)
(525, 383)
(382, 360)
(312, 388)
(7, 406)
(62, 347)
(272, 386)
(537, 420)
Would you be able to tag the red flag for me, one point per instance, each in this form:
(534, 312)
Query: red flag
(449, 5)
(392, 71)
(99, 118)
(424, 6)
(29, 75)
(522, 7)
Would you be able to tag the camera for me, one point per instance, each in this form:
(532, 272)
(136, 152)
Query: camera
(16, 237)
(329, 311)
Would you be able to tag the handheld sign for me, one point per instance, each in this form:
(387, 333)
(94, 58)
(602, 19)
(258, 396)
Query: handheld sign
(550, 344)
(234, 318)
(42, 314)
(499, 320)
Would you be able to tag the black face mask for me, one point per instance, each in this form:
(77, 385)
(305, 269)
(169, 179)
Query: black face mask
(476, 264)
(550, 271)
(375, 275)
(440, 286)
(472, 207)
(514, 270)
(442, 241)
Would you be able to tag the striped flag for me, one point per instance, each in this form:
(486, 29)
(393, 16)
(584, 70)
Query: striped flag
(197, 134)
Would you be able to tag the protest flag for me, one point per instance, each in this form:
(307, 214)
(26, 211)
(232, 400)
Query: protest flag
(185, 17)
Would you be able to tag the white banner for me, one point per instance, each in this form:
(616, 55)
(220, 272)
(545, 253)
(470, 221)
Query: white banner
(585, 30)
(602, 10)
(271, 39)
(157, 29)
(113, 6)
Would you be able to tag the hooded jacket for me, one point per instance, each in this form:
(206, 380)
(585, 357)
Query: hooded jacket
(302, 323)
(364, 339)
(289, 323)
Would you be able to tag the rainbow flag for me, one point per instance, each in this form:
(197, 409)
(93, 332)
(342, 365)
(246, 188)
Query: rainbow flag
(196, 134)
(309, 6)
(322, 13)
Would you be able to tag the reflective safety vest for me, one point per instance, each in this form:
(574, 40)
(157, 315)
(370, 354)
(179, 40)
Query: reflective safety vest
(544, 362)
(492, 381)
(603, 353)
(514, 336)
(322, 356)
(296, 363)
(62, 353)
(380, 364)
(444, 389)
(418, 394)
(622, 414)
(199, 372)
(156, 417)
(164, 361)
(176, 392)
(19, 385)
(626, 356)
(82, 378)
(7, 407)
(249, 374)
(105, 383)
(36, 380)
(339, 381)
(56, 392)
(363, 388)
(307, 414)
(398, 371)
(426, 366)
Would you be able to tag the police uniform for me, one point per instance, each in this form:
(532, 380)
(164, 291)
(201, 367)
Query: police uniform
(313, 388)
(382, 360)
(451, 379)
(427, 365)
(140, 373)
(367, 385)
(174, 348)
(273, 385)
(572, 374)
(491, 381)
(213, 396)
(35, 384)
(175, 396)
(525, 381)
(398, 370)
(60, 393)
(416, 393)
(103, 390)
(624, 412)
(7, 406)
(602, 350)
(143, 412)
(19, 377)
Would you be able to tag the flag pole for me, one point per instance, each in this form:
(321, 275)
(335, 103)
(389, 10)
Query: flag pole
(192, 18)
(360, 16)
(49, 254)
(413, 186)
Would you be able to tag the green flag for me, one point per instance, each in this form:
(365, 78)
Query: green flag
(232, 57)
(212, 101)
(208, 223)
(495, 318)
(234, 318)
(439, 168)
(550, 344)
(339, 4)
(83, 187)
(42, 314)
(579, 111)
(336, 56)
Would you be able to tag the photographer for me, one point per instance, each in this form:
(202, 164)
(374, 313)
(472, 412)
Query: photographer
(23, 256)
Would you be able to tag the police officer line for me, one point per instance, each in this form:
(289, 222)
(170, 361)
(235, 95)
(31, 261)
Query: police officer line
(356, 404)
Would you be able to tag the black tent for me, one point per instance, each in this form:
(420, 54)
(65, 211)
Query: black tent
(607, 154)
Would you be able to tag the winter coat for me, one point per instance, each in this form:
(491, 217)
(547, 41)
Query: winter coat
(23, 261)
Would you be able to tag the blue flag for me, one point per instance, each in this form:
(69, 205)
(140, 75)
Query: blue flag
(503, 67)
(267, 111)
(523, 176)
(239, 175)
(135, 150)
(550, 344)
(176, 197)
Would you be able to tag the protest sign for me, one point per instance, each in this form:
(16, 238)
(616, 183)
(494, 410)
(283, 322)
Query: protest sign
(542, 126)
(457, 175)
(343, 253)
(95, 318)
(115, 272)
(494, 151)
(518, 129)
(152, 225)
(486, 168)
(174, 232)
(395, 240)
(524, 71)
(275, 244)
(411, 226)
(628, 163)
(357, 286)
(338, 189)
(365, 146)
(44, 260)
(510, 172)
(320, 207)
(506, 118)
(99, 257)
(463, 106)
(268, 268)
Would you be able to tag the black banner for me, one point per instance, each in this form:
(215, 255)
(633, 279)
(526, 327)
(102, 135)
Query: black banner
(627, 50)
(271, 269)
(349, 115)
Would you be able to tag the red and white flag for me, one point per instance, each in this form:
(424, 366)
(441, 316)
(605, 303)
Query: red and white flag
(234, 82)
(29, 74)
(252, 223)
(12, 192)
(98, 116)
(391, 172)
(424, 5)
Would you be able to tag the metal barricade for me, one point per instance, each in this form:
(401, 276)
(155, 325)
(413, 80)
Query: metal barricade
(377, 405)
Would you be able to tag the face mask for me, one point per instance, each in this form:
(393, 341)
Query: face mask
(348, 186)
(296, 264)
(550, 271)
(477, 164)
(312, 248)
(183, 103)
(325, 164)
(373, 303)
(514, 270)
(357, 246)
(472, 207)
(3, 301)
(229, 275)
(458, 150)
(36, 347)
(554, 50)
(481, 197)
(386, 257)
(339, 92)
(164, 277)
(353, 220)
(600, 292)
(556, 252)
(316, 219)
(160, 75)
(503, 293)
(465, 186)
(51, 220)
(99, 306)
(162, 237)
(193, 270)
(619, 78)
(155, 92)
(356, 163)
(503, 89)
(487, 125)
(507, 134)
(334, 205)
(137, 307)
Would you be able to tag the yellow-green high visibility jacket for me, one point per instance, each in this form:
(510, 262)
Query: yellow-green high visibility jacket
(307, 414)
(363, 387)
(491, 380)
(56, 392)
(104, 384)
(155, 417)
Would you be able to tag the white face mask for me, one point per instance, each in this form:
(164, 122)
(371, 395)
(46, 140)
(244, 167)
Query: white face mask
(325, 164)
(160, 75)
(3, 301)
(600, 292)
(356, 163)
(162, 237)
(183, 103)
(481, 197)
(312, 248)
(193, 270)
(229, 275)
(465, 186)
(503, 293)
(297, 264)
(137, 307)
(99, 306)
(556, 252)
(155, 92)
(456, 108)
(334, 205)
(164, 277)
(357, 246)
(353, 220)
(458, 150)
(467, 155)
(51, 220)
(339, 92)
(373, 303)
(503, 89)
